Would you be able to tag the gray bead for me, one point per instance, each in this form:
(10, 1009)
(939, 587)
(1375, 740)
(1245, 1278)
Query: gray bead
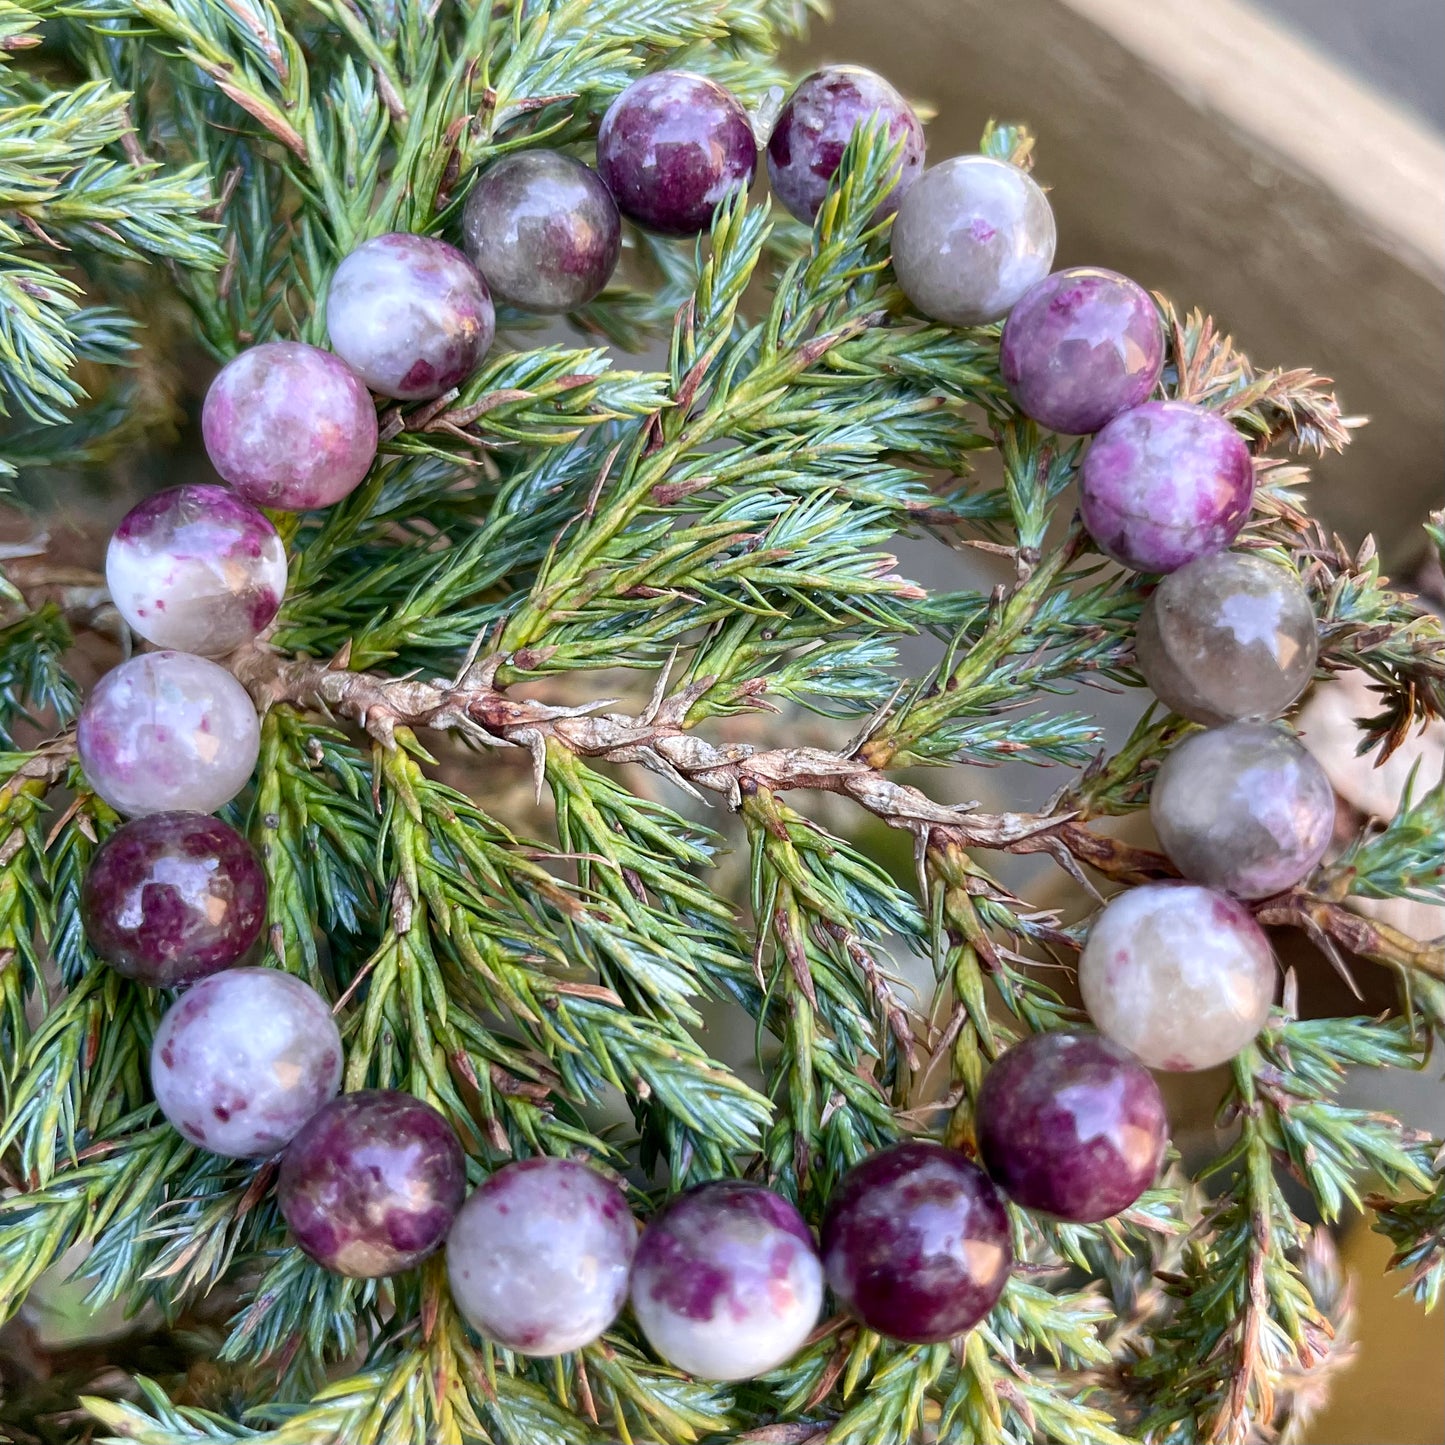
(971, 236)
(1244, 808)
(1228, 637)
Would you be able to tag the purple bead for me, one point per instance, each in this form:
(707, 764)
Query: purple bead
(1071, 1125)
(1080, 347)
(727, 1284)
(168, 731)
(197, 569)
(289, 426)
(172, 897)
(1245, 808)
(371, 1184)
(539, 1257)
(543, 230)
(244, 1059)
(410, 315)
(1165, 483)
(673, 146)
(816, 125)
(916, 1243)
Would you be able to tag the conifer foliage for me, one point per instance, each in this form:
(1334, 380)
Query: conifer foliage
(713, 536)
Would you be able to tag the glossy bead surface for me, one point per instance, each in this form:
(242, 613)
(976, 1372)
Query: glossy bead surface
(244, 1059)
(1180, 976)
(916, 1243)
(168, 731)
(1245, 808)
(816, 124)
(289, 426)
(1071, 1125)
(172, 897)
(971, 236)
(1164, 484)
(727, 1283)
(410, 315)
(540, 1254)
(1080, 347)
(196, 568)
(1226, 638)
(543, 230)
(672, 147)
(372, 1183)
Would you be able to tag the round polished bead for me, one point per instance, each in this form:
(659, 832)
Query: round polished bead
(196, 568)
(1071, 1125)
(971, 236)
(672, 147)
(289, 426)
(916, 1243)
(1080, 347)
(172, 897)
(168, 731)
(1180, 976)
(372, 1183)
(1245, 808)
(816, 124)
(543, 230)
(1228, 637)
(727, 1284)
(410, 315)
(244, 1059)
(539, 1257)
(1164, 484)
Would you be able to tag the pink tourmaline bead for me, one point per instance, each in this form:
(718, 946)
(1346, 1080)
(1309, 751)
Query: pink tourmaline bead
(290, 426)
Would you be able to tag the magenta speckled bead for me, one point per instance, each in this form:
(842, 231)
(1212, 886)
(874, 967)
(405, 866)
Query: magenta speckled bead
(1245, 808)
(289, 426)
(916, 1243)
(410, 315)
(539, 1257)
(1180, 976)
(1071, 1125)
(173, 897)
(727, 1283)
(1080, 347)
(244, 1059)
(543, 230)
(816, 124)
(1165, 483)
(168, 731)
(372, 1183)
(197, 569)
(673, 146)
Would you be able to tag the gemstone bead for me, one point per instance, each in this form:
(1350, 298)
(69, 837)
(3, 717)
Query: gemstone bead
(1164, 484)
(289, 426)
(543, 230)
(916, 1243)
(371, 1183)
(672, 147)
(727, 1283)
(172, 897)
(540, 1254)
(1245, 808)
(971, 235)
(816, 124)
(410, 315)
(244, 1059)
(1228, 637)
(1180, 976)
(1080, 347)
(196, 568)
(1071, 1125)
(168, 731)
